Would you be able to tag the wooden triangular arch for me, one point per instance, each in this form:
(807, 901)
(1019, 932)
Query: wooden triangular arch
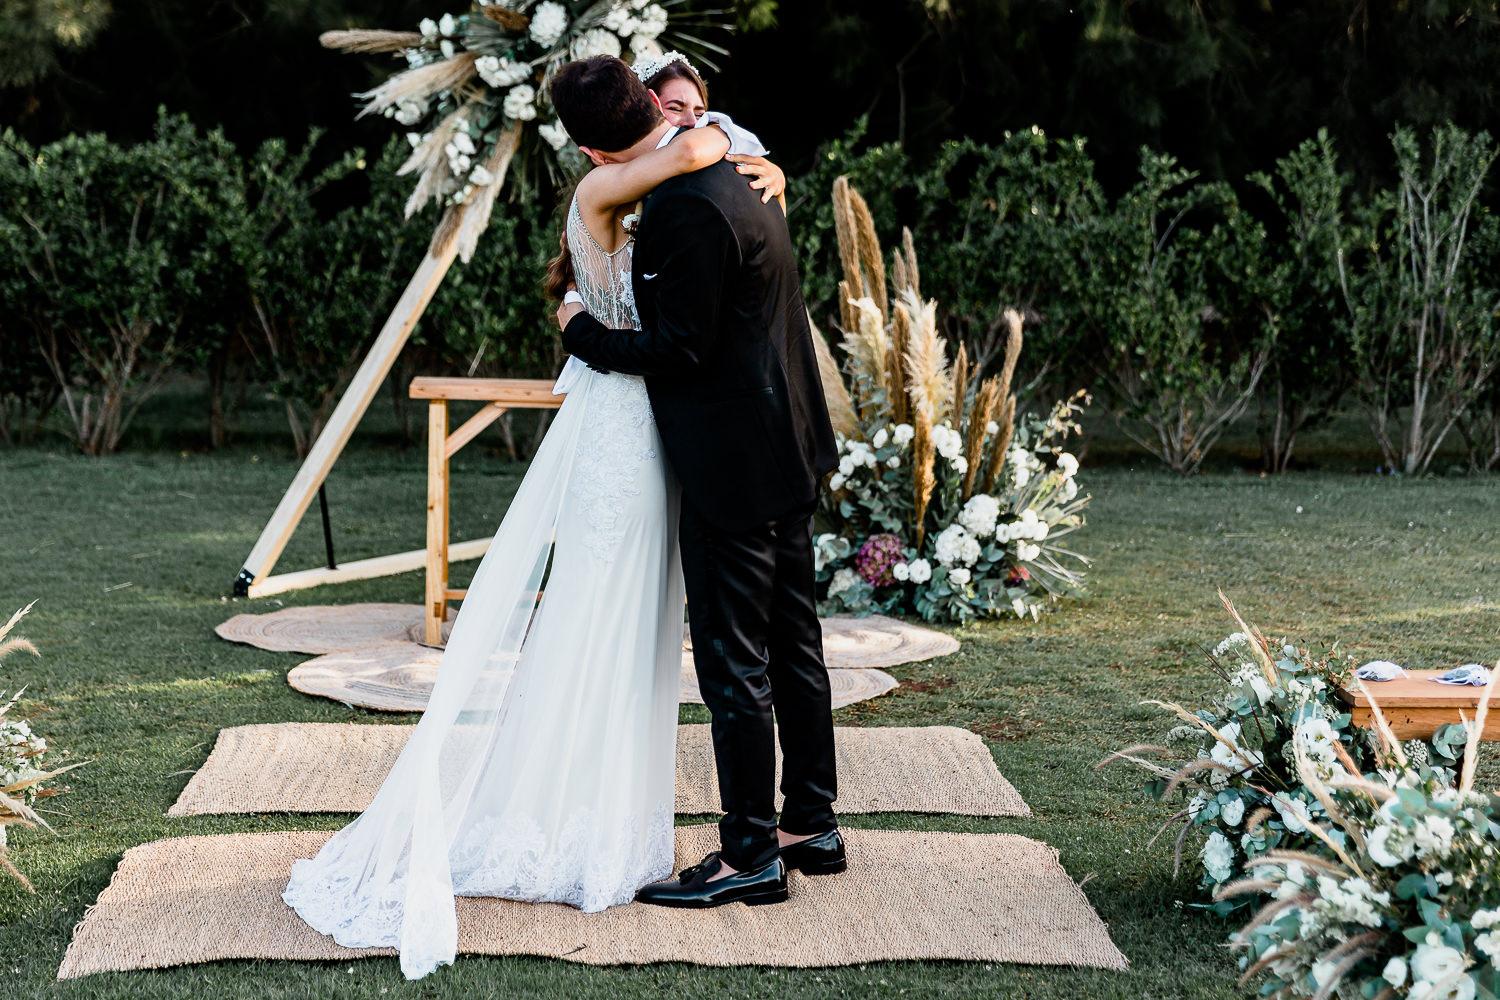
(458, 230)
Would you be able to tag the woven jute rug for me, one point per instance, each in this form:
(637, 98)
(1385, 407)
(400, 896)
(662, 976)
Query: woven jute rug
(906, 895)
(848, 643)
(338, 767)
(397, 676)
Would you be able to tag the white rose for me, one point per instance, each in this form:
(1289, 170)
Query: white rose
(920, 570)
(480, 177)
(1023, 476)
(1069, 489)
(844, 579)
(553, 134)
(621, 21)
(904, 433)
(520, 103)
(846, 466)
(410, 112)
(979, 514)
(548, 22)
(1067, 465)
(1395, 971)
(498, 72)
(1218, 857)
(991, 429)
(1434, 961)
(960, 465)
(428, 27)
(446, 48)
(837, 482)
(959, 576)
(1027, 552)
(446, 24)
(881, 437)
(645, 48)
(652, 21)
(463, 143)
(894, 462)
(596, 42)
(1233, 811)
(901, 571)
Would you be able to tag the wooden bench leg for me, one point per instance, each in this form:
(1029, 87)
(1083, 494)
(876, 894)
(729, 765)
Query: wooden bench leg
(436, 605)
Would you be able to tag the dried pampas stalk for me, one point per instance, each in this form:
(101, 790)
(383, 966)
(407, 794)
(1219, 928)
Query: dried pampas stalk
(904, 272)
(928, 383)
(840, 405)
(370, 40)
(870, 256)
(429, 162)
(1476, 732)
(896, 367)
(867, 346)
(923, 480)
(985, 401)
(419, 83)
(846, 232)
(1005, 409)
(961, 373)
(859, 247)
(476, 214)
(510, 20)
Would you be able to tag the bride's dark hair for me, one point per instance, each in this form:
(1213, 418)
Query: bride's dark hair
(560, 268)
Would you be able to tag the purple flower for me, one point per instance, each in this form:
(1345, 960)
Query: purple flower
(876, 557)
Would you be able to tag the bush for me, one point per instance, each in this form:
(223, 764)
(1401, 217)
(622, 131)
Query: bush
(999, 227)
(1421, 308)
(1174, 280)
(320, 287)
(115, 241)
(1309, 371)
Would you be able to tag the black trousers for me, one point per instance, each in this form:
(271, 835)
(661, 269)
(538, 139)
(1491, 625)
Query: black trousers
(758, 649)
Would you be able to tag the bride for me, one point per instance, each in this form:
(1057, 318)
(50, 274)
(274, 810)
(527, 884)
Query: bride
(543, 768)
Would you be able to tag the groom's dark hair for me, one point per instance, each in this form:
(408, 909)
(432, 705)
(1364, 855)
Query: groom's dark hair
(603, 104)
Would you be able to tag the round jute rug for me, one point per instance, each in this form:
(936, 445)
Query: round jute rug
(848, 643)
(397, 676)
(371, 657)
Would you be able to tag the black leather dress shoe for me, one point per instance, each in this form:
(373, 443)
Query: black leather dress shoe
(693, 889)
(820, 855)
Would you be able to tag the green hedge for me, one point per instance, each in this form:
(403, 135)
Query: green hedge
(1184, 304)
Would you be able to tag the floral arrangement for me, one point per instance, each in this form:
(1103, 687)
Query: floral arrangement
(1402, 896)
(24, 764)
(945, 504)
(475, 85)
(1236, 774)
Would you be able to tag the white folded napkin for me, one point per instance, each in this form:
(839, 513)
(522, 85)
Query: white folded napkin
(1379, 670)
(1474, 674)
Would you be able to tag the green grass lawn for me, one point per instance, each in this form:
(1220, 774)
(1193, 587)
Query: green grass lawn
(130, 557)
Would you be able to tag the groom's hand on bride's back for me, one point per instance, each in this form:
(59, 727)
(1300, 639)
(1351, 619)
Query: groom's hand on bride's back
(565, 312)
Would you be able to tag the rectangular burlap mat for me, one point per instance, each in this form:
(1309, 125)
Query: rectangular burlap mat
(906, 895)
(338, 767)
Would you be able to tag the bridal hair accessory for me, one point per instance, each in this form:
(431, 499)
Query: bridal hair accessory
(1470, 674)
(1379, 670)
(647, 68)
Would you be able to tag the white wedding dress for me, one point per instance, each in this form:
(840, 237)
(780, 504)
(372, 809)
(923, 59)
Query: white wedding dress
(543, 767)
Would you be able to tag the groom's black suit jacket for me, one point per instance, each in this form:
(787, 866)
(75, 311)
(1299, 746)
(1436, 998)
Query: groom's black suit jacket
(726, 350)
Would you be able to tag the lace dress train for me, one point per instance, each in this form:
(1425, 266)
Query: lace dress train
(543, 767)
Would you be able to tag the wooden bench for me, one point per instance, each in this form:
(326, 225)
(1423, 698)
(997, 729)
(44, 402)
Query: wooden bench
(1416, 705)
(498, 395)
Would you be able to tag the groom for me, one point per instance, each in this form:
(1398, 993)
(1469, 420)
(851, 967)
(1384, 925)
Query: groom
(726, 351)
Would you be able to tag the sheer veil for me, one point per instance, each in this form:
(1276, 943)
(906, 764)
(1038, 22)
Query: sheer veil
(385, 880)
